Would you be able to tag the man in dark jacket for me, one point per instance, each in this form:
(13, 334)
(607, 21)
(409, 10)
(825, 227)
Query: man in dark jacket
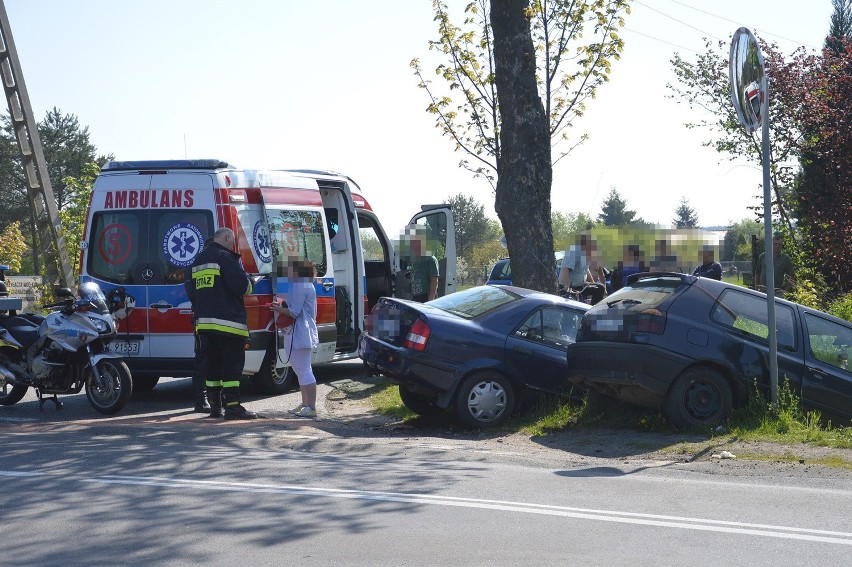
(709, 267)
(199, 367)
(216, 288)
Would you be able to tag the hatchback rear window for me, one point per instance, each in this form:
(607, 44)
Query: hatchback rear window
(474, 302)
(650, 292)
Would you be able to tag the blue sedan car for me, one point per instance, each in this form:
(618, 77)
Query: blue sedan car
(480, 352)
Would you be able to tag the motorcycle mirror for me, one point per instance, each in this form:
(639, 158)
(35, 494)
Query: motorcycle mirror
(63, 292)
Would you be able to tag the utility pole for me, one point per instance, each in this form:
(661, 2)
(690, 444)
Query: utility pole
(40, 193)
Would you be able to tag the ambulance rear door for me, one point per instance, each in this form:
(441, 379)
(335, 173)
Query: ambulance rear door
(181, 218)
(145, 230)
(113, 253)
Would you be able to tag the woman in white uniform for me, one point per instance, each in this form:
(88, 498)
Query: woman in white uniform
(301, 305)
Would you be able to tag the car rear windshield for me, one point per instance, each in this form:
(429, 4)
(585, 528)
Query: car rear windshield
(475, 301)
(647, 291)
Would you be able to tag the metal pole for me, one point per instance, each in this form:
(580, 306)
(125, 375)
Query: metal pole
(769, 261)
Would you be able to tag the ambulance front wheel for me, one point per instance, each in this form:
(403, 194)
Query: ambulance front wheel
(271, 380)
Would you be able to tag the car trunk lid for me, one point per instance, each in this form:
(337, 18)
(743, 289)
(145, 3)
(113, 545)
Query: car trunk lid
(392, 320)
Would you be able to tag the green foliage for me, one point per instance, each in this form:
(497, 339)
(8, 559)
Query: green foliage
(372, 247)
(73, 215)
(808, 289)
(12, 246)
(385, 399)
(69, 155)
(737, 243)
(575, 43)
(685, 216)
(472, 227)
(614, 210)
(841, 25)
(842, 307)
(566, 227)
(703, 85)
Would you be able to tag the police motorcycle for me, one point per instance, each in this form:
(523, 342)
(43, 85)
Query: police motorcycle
(62, 352)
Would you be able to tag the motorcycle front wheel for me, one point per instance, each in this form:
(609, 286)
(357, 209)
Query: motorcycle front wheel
(12, 394)
(109, 387)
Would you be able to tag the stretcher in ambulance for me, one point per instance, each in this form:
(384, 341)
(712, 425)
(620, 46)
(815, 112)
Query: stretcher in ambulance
(148, 220)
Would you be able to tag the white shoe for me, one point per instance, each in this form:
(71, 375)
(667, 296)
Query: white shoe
(305, 411)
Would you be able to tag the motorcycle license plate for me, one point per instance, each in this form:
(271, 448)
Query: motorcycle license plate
(129, 348)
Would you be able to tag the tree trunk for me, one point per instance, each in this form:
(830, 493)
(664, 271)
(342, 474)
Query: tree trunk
(524, 172)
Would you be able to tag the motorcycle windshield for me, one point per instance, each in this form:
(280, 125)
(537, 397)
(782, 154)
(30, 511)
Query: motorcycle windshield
(91, 294)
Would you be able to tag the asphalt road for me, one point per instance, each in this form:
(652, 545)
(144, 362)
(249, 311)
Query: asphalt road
(157, 485)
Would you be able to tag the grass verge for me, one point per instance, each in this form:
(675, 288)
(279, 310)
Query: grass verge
(784, 423)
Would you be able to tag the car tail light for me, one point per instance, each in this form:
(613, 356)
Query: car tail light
(651, 321)
(418, 336)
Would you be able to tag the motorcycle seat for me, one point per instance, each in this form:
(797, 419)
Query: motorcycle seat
(24, 330)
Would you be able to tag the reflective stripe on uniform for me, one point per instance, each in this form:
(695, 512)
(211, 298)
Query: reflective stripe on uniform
(221, 325)
(213, 383)
(210, 266)
(231, 384)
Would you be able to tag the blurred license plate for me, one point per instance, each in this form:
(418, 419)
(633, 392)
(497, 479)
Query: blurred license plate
(130, 348)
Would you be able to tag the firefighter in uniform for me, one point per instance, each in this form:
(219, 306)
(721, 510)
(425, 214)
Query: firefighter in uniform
(199, 366)
(216, 288)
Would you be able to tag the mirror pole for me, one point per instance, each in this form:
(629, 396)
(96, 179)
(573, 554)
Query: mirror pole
(769, 265)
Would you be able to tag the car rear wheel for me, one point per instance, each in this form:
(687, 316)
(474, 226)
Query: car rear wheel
(485, 399)
(418, 403)
(700, 397)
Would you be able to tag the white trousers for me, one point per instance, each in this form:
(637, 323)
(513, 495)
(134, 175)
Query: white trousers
(300, 361)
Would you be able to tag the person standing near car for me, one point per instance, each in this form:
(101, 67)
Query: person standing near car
(301, 305)
(575, 273)
(709, 267)
(424, 271)
(663, 261)
(217, 288)
(782, 267)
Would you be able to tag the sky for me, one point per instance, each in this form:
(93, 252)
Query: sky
(327, 85)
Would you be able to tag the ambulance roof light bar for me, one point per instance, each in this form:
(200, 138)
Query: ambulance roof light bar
(167, 164)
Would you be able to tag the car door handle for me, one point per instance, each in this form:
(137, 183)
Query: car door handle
(522, 350)
(818, 374)
(160, 306)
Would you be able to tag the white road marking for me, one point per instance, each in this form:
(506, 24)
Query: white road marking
(703, 524)
(19, 473)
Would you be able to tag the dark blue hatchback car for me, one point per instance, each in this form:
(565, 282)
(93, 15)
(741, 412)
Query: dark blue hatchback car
(695, 347)
(480, 351)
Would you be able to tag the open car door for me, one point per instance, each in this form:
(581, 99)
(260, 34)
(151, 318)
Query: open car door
(434, 227)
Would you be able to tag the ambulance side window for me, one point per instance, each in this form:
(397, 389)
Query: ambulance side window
(298, 234)
(371, 246)
(116, 245)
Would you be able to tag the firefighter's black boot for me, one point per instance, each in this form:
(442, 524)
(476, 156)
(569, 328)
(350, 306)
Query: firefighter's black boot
(199, 393)
(233, 409)
(214, 397)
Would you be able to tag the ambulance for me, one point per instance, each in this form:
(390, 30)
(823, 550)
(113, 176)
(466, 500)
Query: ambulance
(148, 220)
